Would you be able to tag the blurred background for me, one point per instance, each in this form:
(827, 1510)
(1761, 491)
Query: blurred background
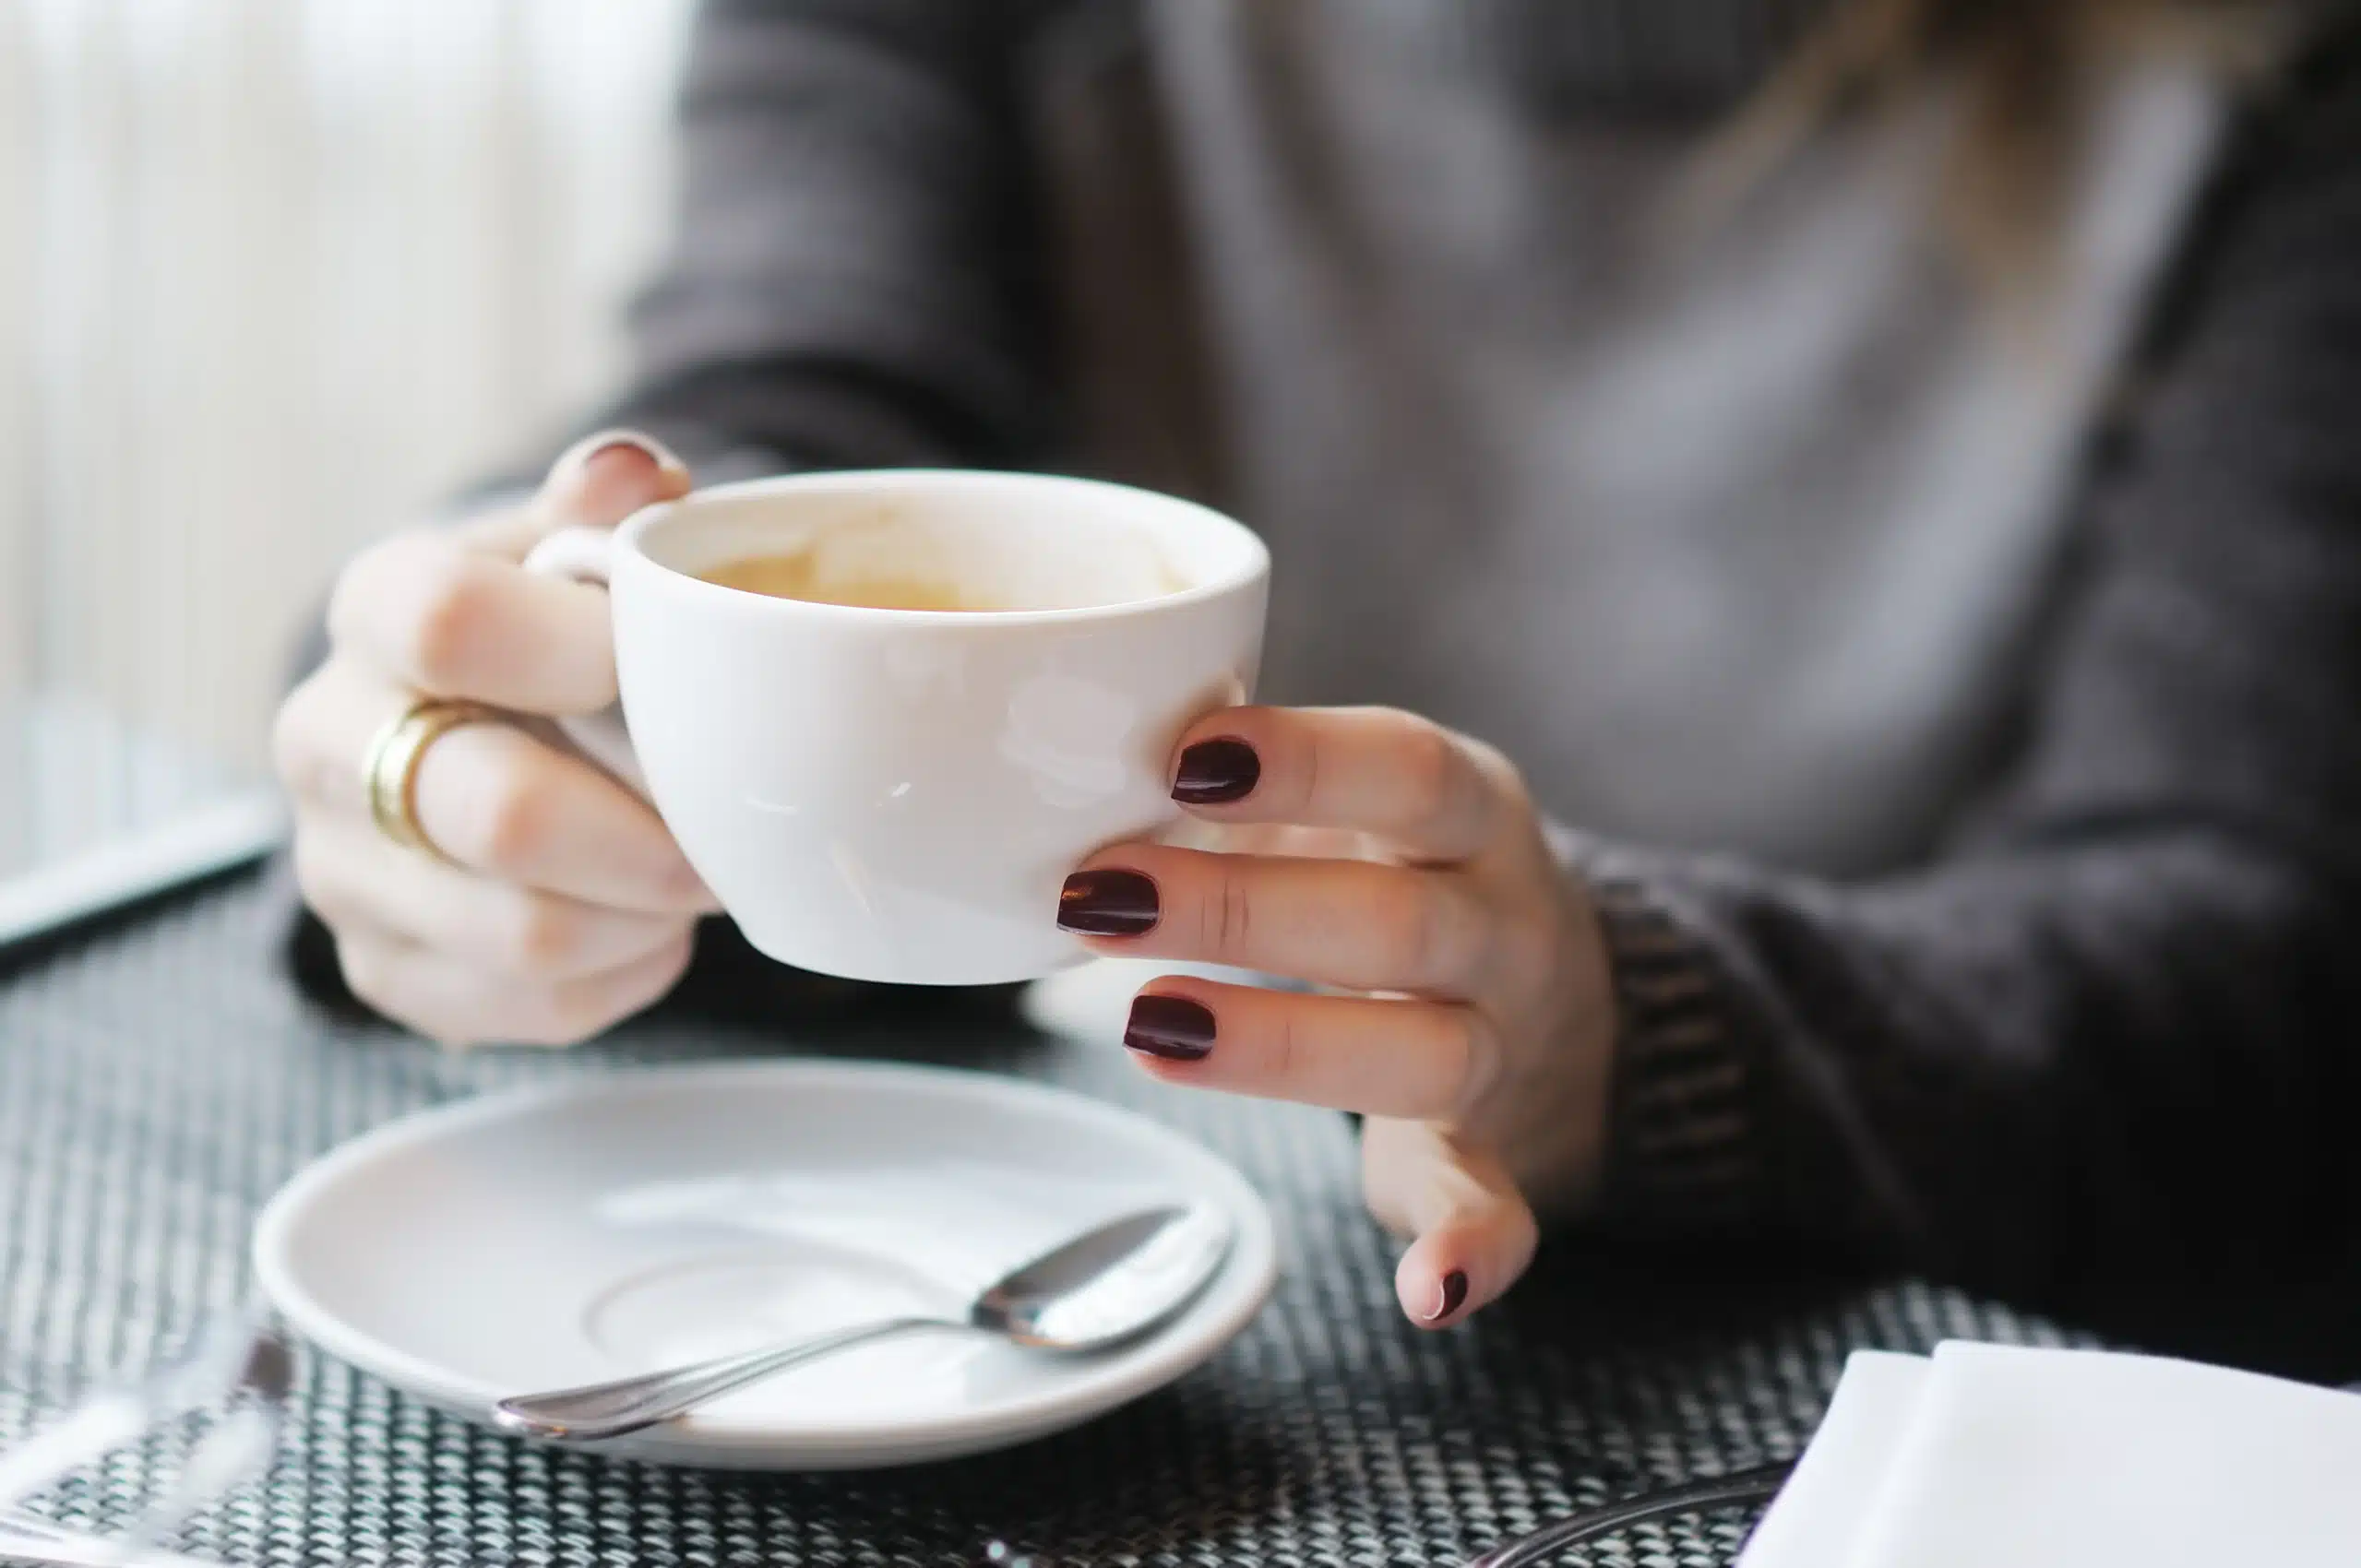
(275, 274)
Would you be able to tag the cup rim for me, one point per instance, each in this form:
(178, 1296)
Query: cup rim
(1254, 567)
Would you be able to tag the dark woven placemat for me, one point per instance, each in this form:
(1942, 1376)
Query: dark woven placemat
(158, 1083)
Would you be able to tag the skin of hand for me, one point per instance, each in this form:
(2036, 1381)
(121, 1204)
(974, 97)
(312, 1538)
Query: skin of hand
(562, 905)
(1467, 1011)
(1466, 1008)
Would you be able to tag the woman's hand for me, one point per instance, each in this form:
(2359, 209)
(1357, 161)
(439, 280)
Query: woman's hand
(560, 904)
(1475, 1028)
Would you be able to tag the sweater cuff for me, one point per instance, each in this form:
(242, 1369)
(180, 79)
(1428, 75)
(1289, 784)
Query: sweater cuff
(1681, 1133)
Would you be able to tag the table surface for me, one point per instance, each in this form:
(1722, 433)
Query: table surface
(158, 1082)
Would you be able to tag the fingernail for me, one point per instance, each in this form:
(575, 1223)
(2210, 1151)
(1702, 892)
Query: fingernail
(1107, 903)
(1172, 1027)
(270, 1369)
(1450, 1297)
(1216, 772)
(583, 452)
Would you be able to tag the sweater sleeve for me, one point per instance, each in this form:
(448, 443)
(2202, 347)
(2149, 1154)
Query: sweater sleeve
(854, 277)
(2106, 1045)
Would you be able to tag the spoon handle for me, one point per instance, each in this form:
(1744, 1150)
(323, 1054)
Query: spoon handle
(598, 1410)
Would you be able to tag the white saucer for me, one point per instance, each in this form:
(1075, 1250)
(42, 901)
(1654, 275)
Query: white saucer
(553, 1237)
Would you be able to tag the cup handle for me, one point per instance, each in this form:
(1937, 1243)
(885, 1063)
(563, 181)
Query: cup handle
(587, 555)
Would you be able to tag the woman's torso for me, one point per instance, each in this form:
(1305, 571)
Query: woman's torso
(1739, 540)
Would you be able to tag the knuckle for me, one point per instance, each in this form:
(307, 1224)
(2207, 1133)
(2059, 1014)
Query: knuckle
(1384, 1204)
(1432, 934)
(1427, 764)
(361, 583)
(1488, 941)
(1496, 768)
(290, 755)
(1382, 1189)
(1227, 916)
(1477, 1065)
(1524, 952)
(1501, 776)
(1406, 919)
(1285, 1048)
(570, 1014)
(516, 817)
(665, 971)
(454, 604)
(671, 962)
(373, 973)
(297, 756)
(314, 878)
(545, 936)
(368, 974)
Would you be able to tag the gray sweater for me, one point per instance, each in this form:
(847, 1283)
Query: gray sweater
(1961, 735)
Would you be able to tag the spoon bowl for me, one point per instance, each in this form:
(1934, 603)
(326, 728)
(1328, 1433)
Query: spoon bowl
(1112, 1284)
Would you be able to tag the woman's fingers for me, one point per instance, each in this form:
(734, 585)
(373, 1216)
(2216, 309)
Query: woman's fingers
(452, 613)
(1353, 923)
(358, 881)
(500, 801)
(1466, 925)
(1377, 1057)
(446, 620)
(565, 905)
(1473, 1233)
(457, 1004)
(1431, 794)
(491, 797)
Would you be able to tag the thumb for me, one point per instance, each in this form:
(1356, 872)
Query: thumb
(1473, 1232)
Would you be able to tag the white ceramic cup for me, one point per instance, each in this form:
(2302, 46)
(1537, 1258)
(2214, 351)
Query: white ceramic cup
(898, 795)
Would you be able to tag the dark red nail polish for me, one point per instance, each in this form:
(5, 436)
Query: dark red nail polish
(1108, 903)
(1453, 1296)
(1171, 1027)
(1214, 773)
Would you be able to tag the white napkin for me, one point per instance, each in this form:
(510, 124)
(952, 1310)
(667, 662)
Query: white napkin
(2006, 1458)
(1819, 1511)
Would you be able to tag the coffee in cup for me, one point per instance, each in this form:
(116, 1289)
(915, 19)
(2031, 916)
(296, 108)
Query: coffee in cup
(796, 576)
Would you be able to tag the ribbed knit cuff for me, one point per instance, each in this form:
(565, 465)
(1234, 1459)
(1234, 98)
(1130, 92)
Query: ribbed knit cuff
(1681, 1148)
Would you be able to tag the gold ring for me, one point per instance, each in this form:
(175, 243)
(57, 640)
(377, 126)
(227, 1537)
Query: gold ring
(390, 772)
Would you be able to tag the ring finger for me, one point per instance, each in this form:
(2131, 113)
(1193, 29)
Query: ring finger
(1354, 924)
(1421, 1060)
(491, 797)
(499, 801)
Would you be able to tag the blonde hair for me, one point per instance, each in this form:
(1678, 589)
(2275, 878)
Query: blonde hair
(2022, 66)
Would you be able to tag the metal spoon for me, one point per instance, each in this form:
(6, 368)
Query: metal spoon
(1108, 1285)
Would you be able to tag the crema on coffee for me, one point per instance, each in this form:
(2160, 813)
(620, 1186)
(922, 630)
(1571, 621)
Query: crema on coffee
(797, 576)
